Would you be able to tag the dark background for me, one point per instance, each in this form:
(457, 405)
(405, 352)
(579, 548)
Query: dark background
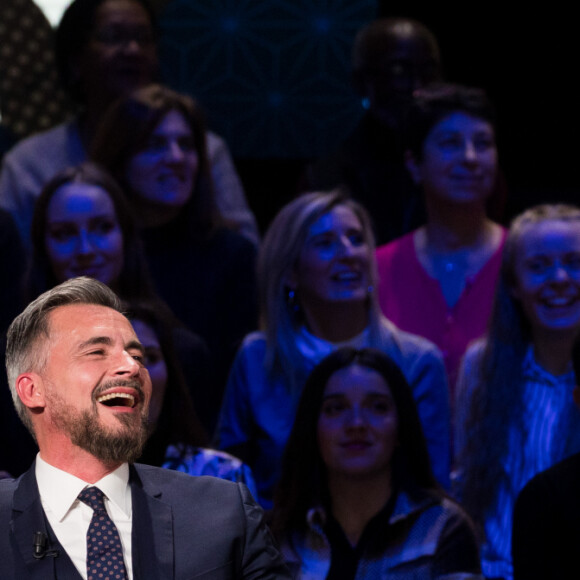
(527, 61)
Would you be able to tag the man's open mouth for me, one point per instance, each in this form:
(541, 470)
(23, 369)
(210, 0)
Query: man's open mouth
(117, 400)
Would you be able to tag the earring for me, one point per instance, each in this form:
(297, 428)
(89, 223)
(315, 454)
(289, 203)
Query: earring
(292, 301)
(366, 103)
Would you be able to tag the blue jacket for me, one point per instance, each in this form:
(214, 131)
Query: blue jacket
(422, 529)
(257, 413)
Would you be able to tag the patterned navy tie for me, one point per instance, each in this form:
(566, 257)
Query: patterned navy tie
(104, 550)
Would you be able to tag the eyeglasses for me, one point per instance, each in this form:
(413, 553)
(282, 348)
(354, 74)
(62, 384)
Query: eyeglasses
(160, 144)
(117, 37)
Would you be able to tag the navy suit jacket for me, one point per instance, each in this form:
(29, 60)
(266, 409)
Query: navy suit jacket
(184, 527)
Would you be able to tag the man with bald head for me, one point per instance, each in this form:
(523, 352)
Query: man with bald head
(391, 58)
(84, 509)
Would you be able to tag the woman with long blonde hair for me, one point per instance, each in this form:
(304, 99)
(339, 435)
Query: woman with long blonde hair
(516, 414)
(317, 280)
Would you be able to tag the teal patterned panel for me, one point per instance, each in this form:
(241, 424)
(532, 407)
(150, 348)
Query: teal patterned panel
(273, 75)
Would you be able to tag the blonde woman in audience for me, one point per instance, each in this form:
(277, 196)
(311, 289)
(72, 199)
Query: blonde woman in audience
(317, 280)
(516, 414)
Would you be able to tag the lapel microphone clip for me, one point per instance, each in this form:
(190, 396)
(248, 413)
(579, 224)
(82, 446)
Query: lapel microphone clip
(39, 544)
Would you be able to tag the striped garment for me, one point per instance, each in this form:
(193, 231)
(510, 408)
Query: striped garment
(550, 416)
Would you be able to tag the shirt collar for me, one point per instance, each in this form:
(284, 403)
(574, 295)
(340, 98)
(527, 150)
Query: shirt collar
(402, 504)
(315, 348)
(59, 490)
(534, 372)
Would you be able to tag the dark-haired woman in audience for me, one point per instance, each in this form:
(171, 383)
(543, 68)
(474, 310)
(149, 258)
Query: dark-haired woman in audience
(516, 414)
(82, 226)
(317, 277)
(177, 438)
(439, 281)
(154, 144)
(357, 497)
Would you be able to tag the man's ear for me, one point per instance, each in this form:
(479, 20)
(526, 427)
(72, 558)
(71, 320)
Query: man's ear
(30, 389)
(413, 167)
(576, 395)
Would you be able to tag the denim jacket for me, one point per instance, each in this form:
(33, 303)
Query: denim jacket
(258, 413)
(422, 526)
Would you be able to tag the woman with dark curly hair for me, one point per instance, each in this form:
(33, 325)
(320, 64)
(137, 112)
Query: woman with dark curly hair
(516, 414)
(357, 496)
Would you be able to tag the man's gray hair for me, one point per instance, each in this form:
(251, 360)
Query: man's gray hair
(27, 340)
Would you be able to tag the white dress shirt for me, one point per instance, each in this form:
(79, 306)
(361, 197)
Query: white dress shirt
(70, 518)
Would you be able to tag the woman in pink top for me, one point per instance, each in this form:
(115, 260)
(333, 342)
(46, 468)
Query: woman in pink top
(439, 281)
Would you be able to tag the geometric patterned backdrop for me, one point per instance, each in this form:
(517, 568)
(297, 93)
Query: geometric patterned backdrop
(272, 75)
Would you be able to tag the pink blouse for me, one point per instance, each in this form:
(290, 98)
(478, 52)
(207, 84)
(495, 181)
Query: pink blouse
(413, 300)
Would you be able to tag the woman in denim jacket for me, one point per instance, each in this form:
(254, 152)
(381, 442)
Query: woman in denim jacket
(357, 498)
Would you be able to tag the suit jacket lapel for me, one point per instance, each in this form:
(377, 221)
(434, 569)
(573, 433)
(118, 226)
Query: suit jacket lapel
(152, 535)
(27, 518)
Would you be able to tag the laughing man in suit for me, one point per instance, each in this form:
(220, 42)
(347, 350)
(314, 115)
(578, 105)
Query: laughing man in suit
(75, 367)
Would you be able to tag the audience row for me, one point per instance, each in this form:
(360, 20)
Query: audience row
(344, 384)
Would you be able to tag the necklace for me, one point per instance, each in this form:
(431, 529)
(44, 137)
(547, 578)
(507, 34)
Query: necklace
(443, 264)
(453, 268)
(449, 267)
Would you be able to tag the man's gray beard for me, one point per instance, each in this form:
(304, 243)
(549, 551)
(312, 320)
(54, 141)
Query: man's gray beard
(85, 431)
